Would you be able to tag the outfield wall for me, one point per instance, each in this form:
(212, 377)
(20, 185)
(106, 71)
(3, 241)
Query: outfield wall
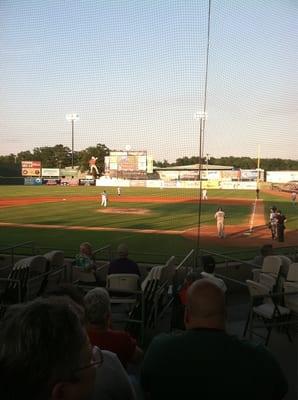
(157, 183)
(281, 176)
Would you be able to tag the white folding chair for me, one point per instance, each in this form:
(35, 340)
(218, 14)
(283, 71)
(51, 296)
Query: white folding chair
(123, 282)
(263, 306)
(124, 289)
(37, 268)
(291, 288)
(271, 265)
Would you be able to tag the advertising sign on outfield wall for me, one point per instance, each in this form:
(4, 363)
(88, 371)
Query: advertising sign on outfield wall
(239, 185)
(50, 172)
(153, 183)
(252, 174)
(213, 175)
(281, 176)
(32, 181)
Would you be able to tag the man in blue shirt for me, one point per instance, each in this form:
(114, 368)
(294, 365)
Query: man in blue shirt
(122, 264)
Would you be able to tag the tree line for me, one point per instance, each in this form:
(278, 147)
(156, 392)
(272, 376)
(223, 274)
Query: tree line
(60, 156)
(268, 164)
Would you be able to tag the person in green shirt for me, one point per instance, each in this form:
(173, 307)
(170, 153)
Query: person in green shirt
(205, 362)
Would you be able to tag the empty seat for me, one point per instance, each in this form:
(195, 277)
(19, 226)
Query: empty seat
(264, 307)
(123, 282)
(55, 258)
(291, 288)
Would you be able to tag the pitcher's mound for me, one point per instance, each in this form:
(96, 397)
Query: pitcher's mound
(134, 211)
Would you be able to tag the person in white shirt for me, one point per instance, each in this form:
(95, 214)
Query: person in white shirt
(220, 219)
(104, 199)
(204, 194)
(208, 264)
(119, 191)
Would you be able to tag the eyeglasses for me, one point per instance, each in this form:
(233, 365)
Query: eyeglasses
(97, 359)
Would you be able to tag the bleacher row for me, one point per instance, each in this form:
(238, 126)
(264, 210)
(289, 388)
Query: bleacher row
(144, 298)
(148, 298)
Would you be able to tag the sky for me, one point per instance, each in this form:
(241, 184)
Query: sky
(134, 71)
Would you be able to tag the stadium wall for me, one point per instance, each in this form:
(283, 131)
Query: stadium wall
(114, 182)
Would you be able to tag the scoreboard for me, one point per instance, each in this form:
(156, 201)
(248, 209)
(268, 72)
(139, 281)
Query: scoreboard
(126, 161)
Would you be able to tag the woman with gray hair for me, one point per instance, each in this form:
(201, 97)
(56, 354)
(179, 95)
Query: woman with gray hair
(98, 313)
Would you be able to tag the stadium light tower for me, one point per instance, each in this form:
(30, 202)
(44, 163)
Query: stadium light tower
(207, 159)
(72, 118)
(201, 117)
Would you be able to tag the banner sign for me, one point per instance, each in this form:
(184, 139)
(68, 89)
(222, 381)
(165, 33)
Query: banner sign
(87, 182)
(68, 172)
(31, 168)
(31, 164)
(32, 181)
(281, 176)
(51, 181)
(50, 172)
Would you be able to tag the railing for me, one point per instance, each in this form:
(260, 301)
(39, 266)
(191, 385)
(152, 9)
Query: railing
(227, 259)
(11, 250)
(102, 250)
(182, 269)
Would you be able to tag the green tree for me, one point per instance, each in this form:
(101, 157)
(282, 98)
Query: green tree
(58, 156)
(162, 164)
(24, 156)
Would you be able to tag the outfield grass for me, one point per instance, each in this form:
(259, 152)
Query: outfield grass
(40, 191)
(172, 216)
(163, 216)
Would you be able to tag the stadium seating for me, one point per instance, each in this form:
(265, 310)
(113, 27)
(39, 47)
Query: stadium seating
(291, 288)
(264, 307)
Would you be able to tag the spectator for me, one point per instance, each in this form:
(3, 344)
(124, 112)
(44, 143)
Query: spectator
(266, 250)
(123, 265)
(208, 263)
(98, 313)
(177, 320)
(111, 370)
(206, 360)
(48, 356)
(85, 258)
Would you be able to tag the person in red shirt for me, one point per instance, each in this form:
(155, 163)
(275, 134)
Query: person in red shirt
(98, 314)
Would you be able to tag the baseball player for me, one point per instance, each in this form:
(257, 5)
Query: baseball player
(220, 218)
(104, 199)
(118, 191)
(204, 194)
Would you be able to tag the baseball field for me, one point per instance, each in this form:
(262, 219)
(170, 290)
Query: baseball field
(154, 223)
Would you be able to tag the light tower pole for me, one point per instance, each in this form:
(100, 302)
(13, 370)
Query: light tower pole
(72, 118)
(201, 117)
(207, 159)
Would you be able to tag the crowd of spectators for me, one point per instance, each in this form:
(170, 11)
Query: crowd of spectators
(63, 347)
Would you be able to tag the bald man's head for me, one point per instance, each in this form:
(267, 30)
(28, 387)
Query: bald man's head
(205, 306)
